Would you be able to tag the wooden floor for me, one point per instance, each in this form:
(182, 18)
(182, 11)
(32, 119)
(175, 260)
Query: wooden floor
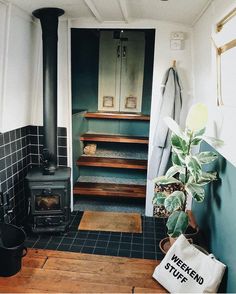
(60, 272)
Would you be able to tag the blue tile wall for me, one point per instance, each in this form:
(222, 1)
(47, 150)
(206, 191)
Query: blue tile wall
(20, 150)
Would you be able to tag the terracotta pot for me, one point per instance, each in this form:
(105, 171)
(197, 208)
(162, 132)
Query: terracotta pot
(191, 234)
(165, 245)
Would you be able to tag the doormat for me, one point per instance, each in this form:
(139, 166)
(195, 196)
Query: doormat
(111, 222)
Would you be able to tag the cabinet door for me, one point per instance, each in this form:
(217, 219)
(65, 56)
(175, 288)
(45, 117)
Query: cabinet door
(132, 68)
(109, 72)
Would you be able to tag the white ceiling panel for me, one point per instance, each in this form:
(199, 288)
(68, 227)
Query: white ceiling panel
(109, 9)
(181, 11)
(73, 8)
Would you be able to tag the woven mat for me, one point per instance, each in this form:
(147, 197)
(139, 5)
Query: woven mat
(111, 221)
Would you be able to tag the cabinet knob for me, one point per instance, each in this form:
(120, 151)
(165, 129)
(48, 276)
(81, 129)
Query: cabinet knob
(124, 52)
(118, 51)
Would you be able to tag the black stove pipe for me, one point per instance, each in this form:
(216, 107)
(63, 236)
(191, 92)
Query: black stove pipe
(49, 23)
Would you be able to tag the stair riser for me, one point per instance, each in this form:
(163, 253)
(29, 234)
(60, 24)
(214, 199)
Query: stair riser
(114, 166)
(128, 128)
(112, 172)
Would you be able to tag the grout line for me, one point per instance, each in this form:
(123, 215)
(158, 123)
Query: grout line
(95, 245)
(118, 251)
(108, 242)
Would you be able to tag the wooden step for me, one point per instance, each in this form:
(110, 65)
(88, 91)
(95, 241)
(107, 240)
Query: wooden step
(110, 190)
(112, 162)
(117, 115)
(113, 138)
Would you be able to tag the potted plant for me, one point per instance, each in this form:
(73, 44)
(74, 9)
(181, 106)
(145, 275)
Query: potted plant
(185, 179)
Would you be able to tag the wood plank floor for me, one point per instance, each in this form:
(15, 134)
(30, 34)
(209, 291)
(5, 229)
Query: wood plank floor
(67, 272)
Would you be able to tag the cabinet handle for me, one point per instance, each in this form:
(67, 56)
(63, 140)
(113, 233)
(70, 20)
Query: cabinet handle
(118, 51)
(124, 52)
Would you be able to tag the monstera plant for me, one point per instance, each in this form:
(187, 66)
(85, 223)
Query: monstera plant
(186, 174)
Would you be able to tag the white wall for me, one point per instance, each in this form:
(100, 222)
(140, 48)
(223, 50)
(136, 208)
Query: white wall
(162, 61)
(222, 119)
(63, 72)
(21, 70)
(3, 24)
(64, 101)
(16, 55)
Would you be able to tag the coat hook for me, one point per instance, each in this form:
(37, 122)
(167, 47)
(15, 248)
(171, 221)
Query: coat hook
(174, 63)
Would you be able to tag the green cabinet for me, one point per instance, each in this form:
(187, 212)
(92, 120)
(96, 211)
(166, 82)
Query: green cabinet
(121, 70)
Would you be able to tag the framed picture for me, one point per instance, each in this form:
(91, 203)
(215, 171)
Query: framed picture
(108, 101)
(131, 102)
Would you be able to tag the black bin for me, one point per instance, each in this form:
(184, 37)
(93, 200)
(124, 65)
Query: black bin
(12, 249)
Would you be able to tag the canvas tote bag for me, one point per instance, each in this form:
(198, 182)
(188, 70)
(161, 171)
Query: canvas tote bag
(185, 269)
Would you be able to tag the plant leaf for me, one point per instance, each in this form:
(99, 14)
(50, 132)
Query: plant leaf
(196, 141)
(207, 178)
(193, 166)
(163, 180)
(174, 170)
(174, 127)
(177, 223)
(174, 201)
(199, 133)
(176, 159)
(206, 157)
(179, 144)
(182, 177)
(159, 199)
(196, 191)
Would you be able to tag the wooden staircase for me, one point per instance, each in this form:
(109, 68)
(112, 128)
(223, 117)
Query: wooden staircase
(109, 189)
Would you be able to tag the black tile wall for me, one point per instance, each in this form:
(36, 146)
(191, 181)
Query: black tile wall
(36, 145)
(14, 163)
(19, 150)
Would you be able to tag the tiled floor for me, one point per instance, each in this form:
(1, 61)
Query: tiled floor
(144, 245)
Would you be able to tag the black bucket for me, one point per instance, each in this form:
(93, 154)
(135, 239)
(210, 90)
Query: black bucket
(12, 249)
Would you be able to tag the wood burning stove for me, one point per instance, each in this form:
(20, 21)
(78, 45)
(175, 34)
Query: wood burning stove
(49, 200)
(49, 185)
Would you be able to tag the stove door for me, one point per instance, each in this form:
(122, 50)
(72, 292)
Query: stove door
(46, 200)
